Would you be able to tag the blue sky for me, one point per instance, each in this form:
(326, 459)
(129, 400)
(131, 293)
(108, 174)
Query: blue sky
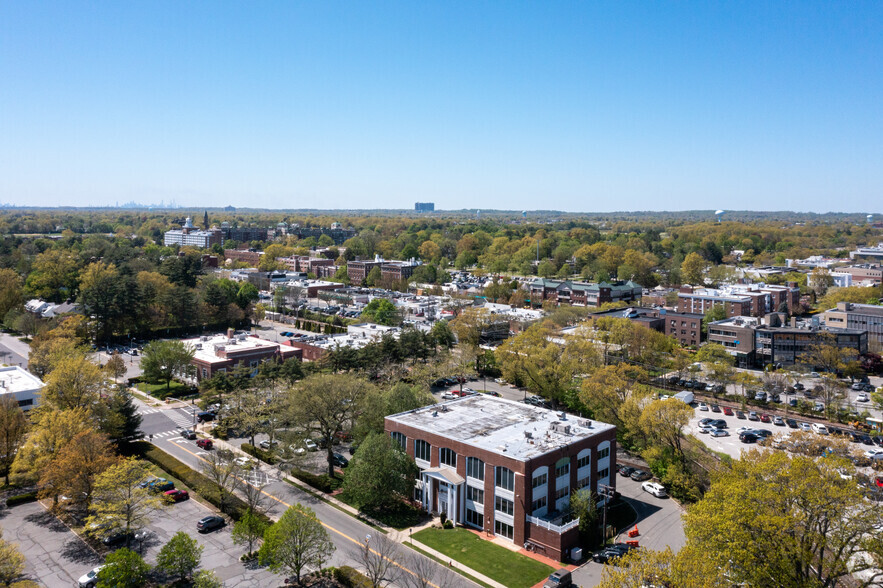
(576, 106)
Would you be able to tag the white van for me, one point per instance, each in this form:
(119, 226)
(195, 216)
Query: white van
(819, 428)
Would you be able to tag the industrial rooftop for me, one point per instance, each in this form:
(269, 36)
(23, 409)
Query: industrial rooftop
(506, 427)
(15, 379)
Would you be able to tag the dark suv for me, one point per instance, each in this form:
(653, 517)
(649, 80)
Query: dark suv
(559, 579)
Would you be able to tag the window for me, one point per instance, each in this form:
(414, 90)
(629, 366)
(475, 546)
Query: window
(604, 453)
(538, 504)
(204, 372)
(418, 494)
(475, 468)
(582, 482)
(505, 479)
(399, 438)
(422, 450)
(584, 461)
(475, 494)
(603, 473)
(447, 457)
(474, 518)
(504, 506)
(539, 480)
(504, 530)
(562, 492)
(562, 469)
(26, 402)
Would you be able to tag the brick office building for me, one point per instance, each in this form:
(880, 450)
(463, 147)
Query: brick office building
(740, 299)
(583, 293)
(221, 353)
(505, 467)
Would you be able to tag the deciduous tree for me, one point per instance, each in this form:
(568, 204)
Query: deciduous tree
(180, 556)
(663, 422)
(295, 542)
(73, 471)
(163, 360)
(249, 530)
(74, 382)
(381, 474)
(13, 428)
(123, 569)
(120, 501)
(53, 429)
(693, 269)
(12, 562)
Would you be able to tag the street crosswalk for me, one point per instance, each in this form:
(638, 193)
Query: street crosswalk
(182, 418)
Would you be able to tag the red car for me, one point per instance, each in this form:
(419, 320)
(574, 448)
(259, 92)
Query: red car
(205, 443)
(764, 418)
(880, 481)
(728, 411)
(176, 495)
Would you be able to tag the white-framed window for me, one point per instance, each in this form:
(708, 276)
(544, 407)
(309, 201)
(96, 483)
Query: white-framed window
(539, 480)
(474, 518)
(399, 438)
(562, 492)
(422, 450)
(475, 494)
(504, 530)
(538, 504)
(605, 452)
(474, 468)
(447, 457)
(504, 506)
(584, 459)
(504, 478)
(562, 468)
(603, 473)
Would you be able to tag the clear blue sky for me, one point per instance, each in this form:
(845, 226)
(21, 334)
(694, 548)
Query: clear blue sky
(577, 106)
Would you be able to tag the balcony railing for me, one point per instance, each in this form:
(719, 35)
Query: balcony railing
(552, 526)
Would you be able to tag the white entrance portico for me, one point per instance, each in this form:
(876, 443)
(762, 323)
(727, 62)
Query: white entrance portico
(442, 492)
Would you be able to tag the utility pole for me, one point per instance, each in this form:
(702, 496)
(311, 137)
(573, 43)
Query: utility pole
(607, 492)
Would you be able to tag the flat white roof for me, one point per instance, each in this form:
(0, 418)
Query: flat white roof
(15, 379)
(506, 427)
(205, 350)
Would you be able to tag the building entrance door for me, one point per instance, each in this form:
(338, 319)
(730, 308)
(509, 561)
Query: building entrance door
(443, 498)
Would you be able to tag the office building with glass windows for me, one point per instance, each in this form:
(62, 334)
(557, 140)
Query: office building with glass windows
(506, 468)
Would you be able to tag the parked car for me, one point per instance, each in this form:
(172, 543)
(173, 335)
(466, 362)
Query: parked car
(339, 460)
(874, 454)
(162, 485)
(626, 471)
(204, 417)
(719, 424)
(211, 522)
(244, 462)
(760, 396)
(818, 407)
(449, 396)
(90, 578)
(765, 418)
(720, 433)
(748, 437)
(863, 397)
(752, 416)
(176, 495)
(763, 433)
(715, 408)
(777, 420)
(640, 475)
(205, 443)
(792, 403)
(559, 579)
(117, 538)
(740, 414)
(728, 411)
(611, 552)
(798, 386)
(857, 386)
(703, 406)
(266, 444)
(188, 434)
(791, 423)
(819, 429)
(706, 428)
(655, 489)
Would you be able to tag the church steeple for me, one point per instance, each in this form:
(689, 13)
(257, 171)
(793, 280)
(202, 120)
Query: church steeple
(205, 221)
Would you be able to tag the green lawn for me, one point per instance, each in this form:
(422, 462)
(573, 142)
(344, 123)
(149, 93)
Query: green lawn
(506, 567)
(176, 389)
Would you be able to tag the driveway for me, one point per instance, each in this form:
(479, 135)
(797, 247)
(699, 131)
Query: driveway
(659, 523)
(54, 556)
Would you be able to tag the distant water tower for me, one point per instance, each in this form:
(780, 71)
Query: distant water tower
(870, 218)
(478, 214)
(718, 214)
(523, 214)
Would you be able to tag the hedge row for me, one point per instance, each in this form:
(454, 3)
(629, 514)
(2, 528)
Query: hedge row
(351, 578)
(265, 456)
(21, 498)
(235, 506)
(323, 482)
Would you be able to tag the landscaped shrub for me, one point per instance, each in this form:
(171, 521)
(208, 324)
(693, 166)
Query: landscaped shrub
(324, 483)
(448, 525)
(265, 456)
(351, 578)
(21, 498)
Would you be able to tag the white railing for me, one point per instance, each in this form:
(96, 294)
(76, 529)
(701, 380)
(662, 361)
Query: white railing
(551, 526)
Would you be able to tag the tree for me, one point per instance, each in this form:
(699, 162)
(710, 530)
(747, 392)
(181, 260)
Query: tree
(820, 280)
(421, 572)
(180, 556)
(123, 569)
(827, 356)
(442, 334)
(206, 579)
(616, 394)
(13, 428)
(582, 505)
(249, 530)
(120, 501)
(296, 541)
(119, 418)
(381, 474)
(773, 519)
(693, 268)
(717, 312)
(52, 430)
(221, 471)
(663, 421)
(377, 554)
(325, 404)
(162, 360)
(714, 352)
(74, 382)
(53, 276)
(641, 568)
(73, 471)
(100, 296)
(12, 562)
(381, 311)
(116, 366)
(11, 295)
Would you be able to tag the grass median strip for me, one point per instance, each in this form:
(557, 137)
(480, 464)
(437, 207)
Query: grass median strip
(498, 563)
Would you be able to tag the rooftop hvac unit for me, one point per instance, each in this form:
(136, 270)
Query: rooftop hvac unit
(586, 423)
(203, 338)
(231, 341)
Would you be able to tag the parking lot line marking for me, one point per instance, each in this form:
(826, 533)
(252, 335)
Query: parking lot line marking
(323, 523)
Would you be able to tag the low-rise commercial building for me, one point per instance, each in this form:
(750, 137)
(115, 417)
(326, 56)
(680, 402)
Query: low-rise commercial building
(20, 385)
(684, 327)
(250, 256)
(868, 273)
(506, 468)
(869, 253)
(221, 353)
(866, 317)
(315, 347)
(583, 293)
(740, 299)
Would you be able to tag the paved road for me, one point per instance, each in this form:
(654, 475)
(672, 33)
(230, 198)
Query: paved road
(659, 523)
(13, 351)
(345, 532)
(54, 556)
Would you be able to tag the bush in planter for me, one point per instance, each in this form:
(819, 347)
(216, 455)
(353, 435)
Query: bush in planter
(21, 498)
(443, 516)
(448, 525)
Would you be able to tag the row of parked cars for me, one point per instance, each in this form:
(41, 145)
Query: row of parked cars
(638, 475)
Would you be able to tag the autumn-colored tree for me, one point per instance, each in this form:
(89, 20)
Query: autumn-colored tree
(11, 294)
(74, 382)
(73, 470)
(616, 394)
(119, 500)
(12, 562)
(663, 422)
(13, 428)
(693, 269)
(52, 430)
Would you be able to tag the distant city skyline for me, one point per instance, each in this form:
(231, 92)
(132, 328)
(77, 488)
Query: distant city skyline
(576, 107)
